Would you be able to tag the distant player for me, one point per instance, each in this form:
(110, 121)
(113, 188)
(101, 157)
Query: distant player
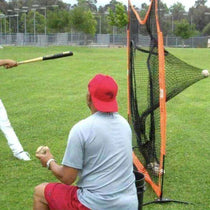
(5, 124)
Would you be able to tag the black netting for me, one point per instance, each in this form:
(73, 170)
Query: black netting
(144, 86)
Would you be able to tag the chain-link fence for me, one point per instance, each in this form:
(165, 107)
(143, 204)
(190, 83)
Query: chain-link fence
(100, 40)
(21, 39)
(193, 42)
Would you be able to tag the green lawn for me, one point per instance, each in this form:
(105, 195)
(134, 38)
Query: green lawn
(45, 99)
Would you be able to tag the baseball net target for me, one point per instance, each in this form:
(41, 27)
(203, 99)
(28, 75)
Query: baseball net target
(154, 77)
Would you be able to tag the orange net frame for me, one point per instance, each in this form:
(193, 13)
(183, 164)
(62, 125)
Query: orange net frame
(133, 14)
(154, 77)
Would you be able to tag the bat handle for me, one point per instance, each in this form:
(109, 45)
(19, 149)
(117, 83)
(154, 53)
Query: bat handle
(29, 61)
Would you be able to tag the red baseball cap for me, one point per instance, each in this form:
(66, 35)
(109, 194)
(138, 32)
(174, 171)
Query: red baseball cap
(103, 90)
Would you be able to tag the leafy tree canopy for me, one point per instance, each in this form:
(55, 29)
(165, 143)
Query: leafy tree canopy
(83, 21)
(59, 21)
(177, 10)
(206, 30)
(118, 17)
(200, 3)
(183, 29)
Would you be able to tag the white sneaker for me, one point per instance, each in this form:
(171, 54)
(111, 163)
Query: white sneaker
(23, 156)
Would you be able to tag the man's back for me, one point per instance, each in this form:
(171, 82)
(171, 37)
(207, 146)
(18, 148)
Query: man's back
(100, 146)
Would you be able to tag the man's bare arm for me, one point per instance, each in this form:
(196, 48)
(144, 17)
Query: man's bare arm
(65, 174)
(8, 63)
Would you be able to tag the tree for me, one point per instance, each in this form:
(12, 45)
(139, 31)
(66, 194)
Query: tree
(39, 22)
(163, 7)
(165, 19)
(102, 13)
(112, 4)
(198, 16)
(29, 3)
(118, 17)
(3, 6)
(200, 3)
(183, 29)
(89, 26)
(83, 20)
(58, 21)
(177, 10)
(144, 7)
(88, 4)
(206, 30)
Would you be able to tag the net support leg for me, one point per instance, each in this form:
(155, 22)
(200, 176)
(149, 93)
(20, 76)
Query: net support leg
(165, 200)
(161, 199)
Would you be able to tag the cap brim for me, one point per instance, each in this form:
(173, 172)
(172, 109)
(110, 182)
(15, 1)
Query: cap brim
(102, 106)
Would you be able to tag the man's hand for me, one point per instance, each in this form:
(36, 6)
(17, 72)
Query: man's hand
(44, 157)
(7, 63)
(65, 174)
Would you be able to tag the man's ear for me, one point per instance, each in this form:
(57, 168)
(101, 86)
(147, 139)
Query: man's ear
(89, 100)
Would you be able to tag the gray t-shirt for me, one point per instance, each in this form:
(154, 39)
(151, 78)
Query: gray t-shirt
(100, 147)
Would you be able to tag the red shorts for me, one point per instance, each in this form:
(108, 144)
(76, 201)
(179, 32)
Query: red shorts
(62, 197)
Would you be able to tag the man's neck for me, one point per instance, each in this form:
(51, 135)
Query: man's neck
(93, 110)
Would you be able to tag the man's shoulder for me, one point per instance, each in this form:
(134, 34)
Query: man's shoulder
(97, 118)
(121, 117)
(123, 120)
(83, 123)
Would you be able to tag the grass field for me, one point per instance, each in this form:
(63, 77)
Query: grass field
(44, 100)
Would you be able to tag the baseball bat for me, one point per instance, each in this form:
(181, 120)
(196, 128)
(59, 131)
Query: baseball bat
(47, 57)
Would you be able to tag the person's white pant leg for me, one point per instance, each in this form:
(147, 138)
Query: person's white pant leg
(8, 131)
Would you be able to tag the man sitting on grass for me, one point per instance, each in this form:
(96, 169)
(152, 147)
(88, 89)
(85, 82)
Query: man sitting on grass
(99, 151)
